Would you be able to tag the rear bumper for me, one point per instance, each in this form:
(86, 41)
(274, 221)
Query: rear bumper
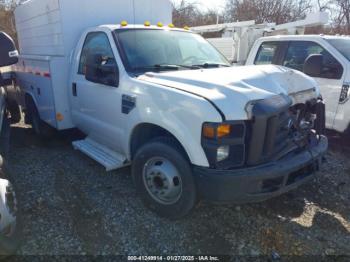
(260, 183)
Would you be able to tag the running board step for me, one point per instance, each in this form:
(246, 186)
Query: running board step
(108, 158)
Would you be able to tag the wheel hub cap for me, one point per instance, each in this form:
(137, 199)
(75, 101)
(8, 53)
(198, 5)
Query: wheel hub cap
(162, 181)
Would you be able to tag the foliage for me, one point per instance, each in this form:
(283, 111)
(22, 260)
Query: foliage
(188, 14)
(277, 11)
(7, 22)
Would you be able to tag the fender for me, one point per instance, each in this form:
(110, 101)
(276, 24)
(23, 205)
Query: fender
(183, 117)
(194, 150)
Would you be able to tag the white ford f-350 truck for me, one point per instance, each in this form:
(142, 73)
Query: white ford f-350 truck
(164, 101)
(328, 57)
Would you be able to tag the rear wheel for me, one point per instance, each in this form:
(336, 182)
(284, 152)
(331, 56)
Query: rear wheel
(5, 137)
(163, 176)
(15, 111)
(40, 127)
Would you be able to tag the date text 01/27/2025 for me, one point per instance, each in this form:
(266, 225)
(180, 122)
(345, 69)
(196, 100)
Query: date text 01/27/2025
(173, 258)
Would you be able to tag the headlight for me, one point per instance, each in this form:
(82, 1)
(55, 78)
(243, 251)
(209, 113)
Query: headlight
(222, 153)
(224, 143)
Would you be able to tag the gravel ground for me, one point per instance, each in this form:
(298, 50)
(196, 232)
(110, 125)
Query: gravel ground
(72, 206)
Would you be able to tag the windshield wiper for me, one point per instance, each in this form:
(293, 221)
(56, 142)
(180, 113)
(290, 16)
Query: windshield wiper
(211, 65)
(161, 67)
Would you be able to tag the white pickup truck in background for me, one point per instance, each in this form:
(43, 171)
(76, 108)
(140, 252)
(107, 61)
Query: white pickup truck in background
(330, 56)
(247, 43)
(164, 101)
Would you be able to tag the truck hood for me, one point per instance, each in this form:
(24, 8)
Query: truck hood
(232, 88)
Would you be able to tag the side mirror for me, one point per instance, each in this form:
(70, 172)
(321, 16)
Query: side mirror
(102, 70)
(8, 52)
(313, 65)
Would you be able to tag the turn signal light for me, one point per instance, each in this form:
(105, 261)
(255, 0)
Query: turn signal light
(213, 131)
(223, 130)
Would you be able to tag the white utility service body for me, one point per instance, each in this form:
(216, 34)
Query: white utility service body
(48, 32)
(334, 85)
(165, 101)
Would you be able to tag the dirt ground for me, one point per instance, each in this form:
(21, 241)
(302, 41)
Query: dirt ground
(71, 206)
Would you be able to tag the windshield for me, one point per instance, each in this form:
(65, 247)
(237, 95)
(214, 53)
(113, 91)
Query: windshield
(342, 45)
(157, 50)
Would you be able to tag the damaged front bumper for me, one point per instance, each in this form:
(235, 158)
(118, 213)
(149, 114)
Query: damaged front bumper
(259, 183)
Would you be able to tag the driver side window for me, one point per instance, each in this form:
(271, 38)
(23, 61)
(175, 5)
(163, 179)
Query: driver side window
(96, 43)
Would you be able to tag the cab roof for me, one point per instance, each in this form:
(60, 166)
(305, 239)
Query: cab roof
(113, 27)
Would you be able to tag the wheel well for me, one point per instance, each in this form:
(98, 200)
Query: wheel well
(144, 133)
(29, 104)
(29, 101)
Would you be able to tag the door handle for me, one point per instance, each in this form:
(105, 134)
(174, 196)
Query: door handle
(74, 89)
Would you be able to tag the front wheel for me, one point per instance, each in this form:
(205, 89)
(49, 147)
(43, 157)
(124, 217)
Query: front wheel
(163, 176)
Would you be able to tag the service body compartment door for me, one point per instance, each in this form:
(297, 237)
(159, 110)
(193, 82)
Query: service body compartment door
(34, 77)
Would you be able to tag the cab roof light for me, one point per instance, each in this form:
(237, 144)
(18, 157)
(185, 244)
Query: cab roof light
(147, 23)
(160, 24)
(124, 23)
(186, 27)
(171, 26)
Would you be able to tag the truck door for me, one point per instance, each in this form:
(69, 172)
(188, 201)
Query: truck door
(96, 102)
(330, 80)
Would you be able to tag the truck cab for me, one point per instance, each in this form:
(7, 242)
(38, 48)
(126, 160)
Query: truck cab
(165, 101)
(330, 70)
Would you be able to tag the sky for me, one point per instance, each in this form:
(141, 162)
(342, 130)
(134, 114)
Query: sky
(208, 4)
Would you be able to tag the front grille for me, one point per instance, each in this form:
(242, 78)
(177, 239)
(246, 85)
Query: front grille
(282, 142)
(270, 136)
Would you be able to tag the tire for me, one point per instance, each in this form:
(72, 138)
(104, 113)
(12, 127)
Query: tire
(15, 111)
(5, 137)
(40, 128)
(10, 242)
(163, 177)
